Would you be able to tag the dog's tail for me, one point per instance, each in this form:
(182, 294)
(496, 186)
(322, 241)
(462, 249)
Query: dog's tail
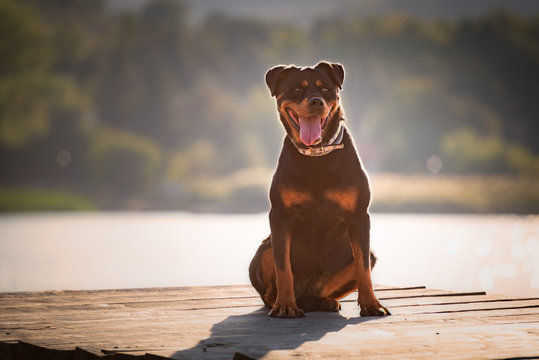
(373, 259)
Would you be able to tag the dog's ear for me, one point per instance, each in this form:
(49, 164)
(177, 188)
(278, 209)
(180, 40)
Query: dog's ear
(335, 71)
(273, 76)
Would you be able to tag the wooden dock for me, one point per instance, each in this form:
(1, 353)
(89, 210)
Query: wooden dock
(229, 322)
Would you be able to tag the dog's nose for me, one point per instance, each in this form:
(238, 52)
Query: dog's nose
(316, 101)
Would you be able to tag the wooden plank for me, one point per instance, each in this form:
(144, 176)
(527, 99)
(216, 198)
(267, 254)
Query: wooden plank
(123, 295)
(159, 310)
(183, 322)
(192, 299)
(70, 317)
(97, 296)
(233, 331)
(420, 301)
(89, 300)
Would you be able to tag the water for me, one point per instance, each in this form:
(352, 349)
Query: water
(497, 254)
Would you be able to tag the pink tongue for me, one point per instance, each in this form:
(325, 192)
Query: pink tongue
(310, 129)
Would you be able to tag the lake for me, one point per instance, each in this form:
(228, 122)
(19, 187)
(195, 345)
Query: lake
(59, 251)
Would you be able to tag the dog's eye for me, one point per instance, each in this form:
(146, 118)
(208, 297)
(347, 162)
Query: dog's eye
(297, 90)
(324, 89)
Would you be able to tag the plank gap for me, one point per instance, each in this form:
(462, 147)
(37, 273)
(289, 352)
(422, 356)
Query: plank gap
(465, 302)
(482, 309)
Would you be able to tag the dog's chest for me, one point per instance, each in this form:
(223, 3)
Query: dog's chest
(319, 239)
(329, 203)
(319, 221)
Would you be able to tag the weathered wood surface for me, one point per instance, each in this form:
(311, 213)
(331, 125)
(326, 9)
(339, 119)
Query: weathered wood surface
(226, 321)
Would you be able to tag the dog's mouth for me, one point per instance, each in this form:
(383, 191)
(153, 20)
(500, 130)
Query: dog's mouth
(310, 127)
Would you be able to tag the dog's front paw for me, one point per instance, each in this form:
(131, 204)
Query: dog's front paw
(286, 311)
(374, 310)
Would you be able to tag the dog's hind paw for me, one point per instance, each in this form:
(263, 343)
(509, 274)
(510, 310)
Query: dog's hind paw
(330, 305)
(374, 310)
(286, 311)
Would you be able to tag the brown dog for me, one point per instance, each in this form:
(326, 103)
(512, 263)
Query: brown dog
(319, 247)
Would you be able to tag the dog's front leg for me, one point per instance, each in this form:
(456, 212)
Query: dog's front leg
(285, 304)
(360, 238)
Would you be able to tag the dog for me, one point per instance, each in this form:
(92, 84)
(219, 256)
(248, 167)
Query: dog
(319, 247)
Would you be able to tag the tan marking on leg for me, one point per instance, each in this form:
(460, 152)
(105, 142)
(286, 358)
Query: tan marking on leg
(369, 304)
(346, 199)
(285, 286)
(284, 277)
(285, 304)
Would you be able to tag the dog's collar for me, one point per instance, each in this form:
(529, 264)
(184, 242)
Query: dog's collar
(320, 150)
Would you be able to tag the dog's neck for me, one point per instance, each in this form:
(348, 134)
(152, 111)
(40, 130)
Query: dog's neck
(336, 142)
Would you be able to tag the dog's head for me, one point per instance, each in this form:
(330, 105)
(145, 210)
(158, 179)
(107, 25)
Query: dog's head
(308, 100)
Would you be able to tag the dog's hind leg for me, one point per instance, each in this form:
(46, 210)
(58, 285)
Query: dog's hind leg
(262, 273)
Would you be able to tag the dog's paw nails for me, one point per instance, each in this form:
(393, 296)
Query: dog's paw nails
(374, 310)
(286, 312)
(331, 305)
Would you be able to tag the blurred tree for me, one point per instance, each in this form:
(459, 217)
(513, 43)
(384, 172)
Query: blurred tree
(143, 67)
(84, 91)
(31, 94)
(124, 163)
(231, 50)
(418, 80)
(496, 61)
(466, 152)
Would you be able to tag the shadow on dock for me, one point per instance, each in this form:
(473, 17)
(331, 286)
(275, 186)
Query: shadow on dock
(253, 335)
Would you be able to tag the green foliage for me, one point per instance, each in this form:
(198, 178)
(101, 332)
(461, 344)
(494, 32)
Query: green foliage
(465, 152)
(25, 58)
(520, 160)
(232, 131)
(31, 94)
(124, 162)
(455, 193)
(141, 68)
(153, 99)
(24, 37)
(240, 191)
(16, 199)
(29, 101)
